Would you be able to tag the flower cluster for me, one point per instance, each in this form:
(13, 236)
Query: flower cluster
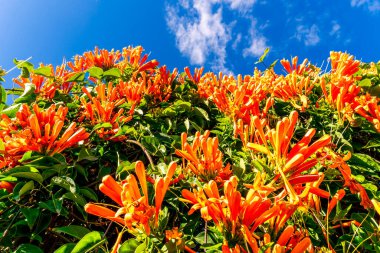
(264, 162)
(39, 131)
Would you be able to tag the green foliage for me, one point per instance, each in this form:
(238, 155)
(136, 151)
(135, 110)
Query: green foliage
(52, 183)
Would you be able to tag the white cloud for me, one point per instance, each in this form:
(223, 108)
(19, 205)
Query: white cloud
(204, 37)
(258, 43)
(241, 5)
(200, 33)
(371, 5)
(335, 29)
(236, 41)
(309, 35)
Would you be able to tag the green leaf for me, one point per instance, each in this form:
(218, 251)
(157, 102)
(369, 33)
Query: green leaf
(273, 64)
(48, 205)
(89, 242)
(81, 170)
(89, 193)
(28, 95)
(77, 77)
(169, 112)
(25, 66)
(20, 169)
(373, 144)
(27, 156)
(95, 72)
(201, 112)
(182, 106)
(43, 71)
(187, 124)
(29, 175)
(112, 72)
(66, 248)
(85, 154)
(28, 248)
(370, 187)
(196, 126)
(31, 215)
(129, 246)
(102, 125)
(25, 189)
(365, 83)
(365, 161)
(11, 110)
(65, 182)
(74, 230)
(262, 57)
(78, 199)
(3, 95)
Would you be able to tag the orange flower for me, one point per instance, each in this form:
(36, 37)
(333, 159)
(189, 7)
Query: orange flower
(160, 85)
(294, 88)
(289, 239)
(340, 90)
(294, 68)
(101, 58)
(230, 212)
(7, 186)
(197, 74)
(368, 107)
(288, 160)
(238, 99)
(355, 187)
(39, 132)
(47, 86)
(132, 57)
(204, 158)
(104, 109)
(343, 63)
(174, 235)
(42, 85)
(133, 200)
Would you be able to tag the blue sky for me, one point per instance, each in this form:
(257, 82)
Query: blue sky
(222, 35)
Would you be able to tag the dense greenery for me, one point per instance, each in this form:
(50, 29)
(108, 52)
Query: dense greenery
(114, 153)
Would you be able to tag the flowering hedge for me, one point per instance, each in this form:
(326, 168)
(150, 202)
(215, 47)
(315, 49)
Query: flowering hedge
(112, 152)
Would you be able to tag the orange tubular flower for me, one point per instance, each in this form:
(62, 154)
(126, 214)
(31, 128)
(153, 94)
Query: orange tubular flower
(238, 99)
(101, 58)
(368, 107)
(203, 157)
(104, 109)
(290, 239)
(294, 68)
(133, 200)
(293, 88)
(133, 58)
(160, 85)
(42, 85)
(355, 187)
(291, 161)
(39, 131)
(7, 186)
(47, 86)
(231, 213)
(340, 91)
(197, 74)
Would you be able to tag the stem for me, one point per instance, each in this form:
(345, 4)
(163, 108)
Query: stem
(205, 232)
(108, 228)
(144, 150)
(10, 224)
(59, 235)
(18, 64)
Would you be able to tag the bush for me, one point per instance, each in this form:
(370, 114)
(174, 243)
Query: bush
(114, 153)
